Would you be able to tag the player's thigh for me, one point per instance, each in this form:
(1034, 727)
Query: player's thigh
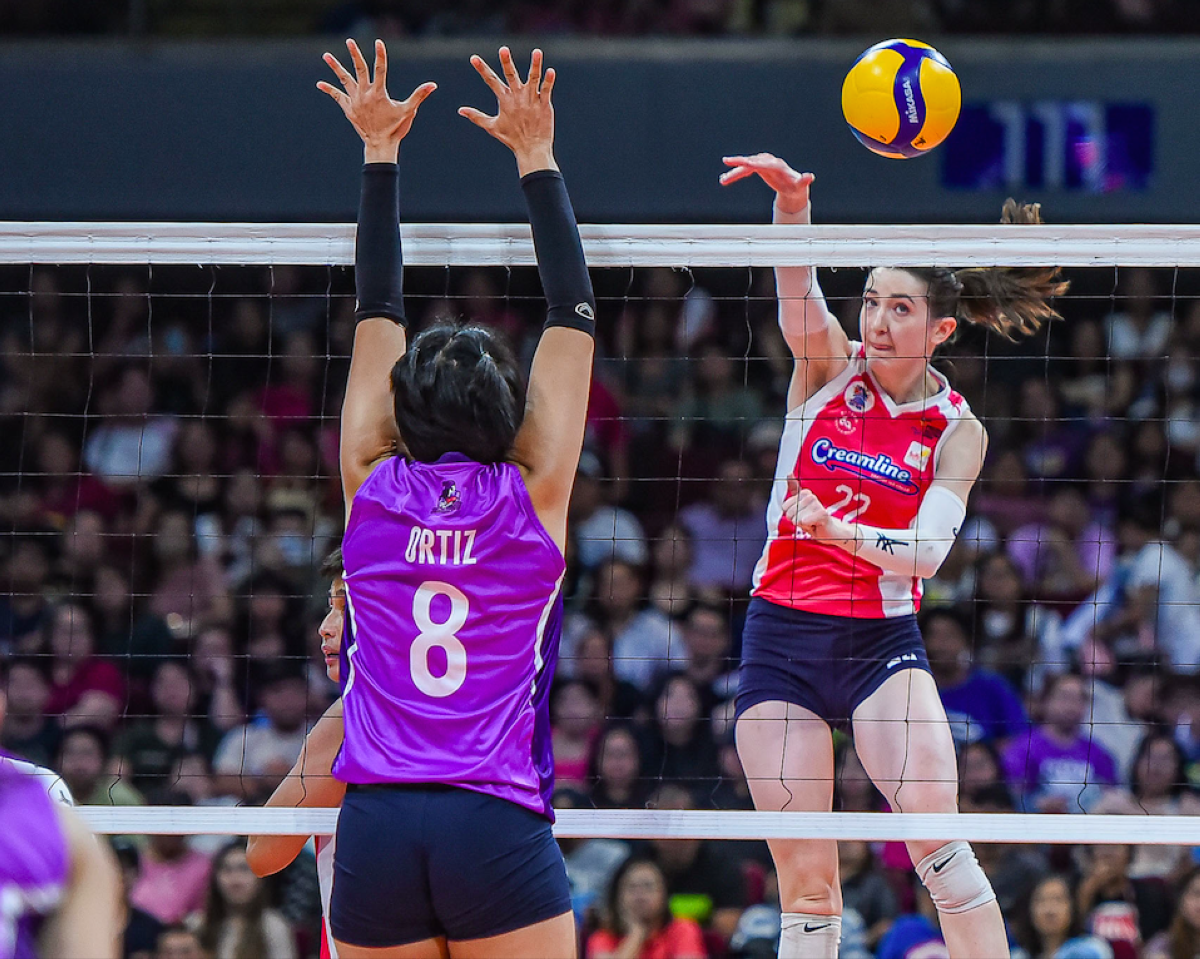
(904, 743)
(787, 754)
(550, 939)
(426, 949)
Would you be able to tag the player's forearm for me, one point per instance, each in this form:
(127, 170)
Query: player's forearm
(917, 551)
(570, 301)
(267, 855)
(802, 308)
(378, 259)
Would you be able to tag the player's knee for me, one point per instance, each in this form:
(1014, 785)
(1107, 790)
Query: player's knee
(955, 881)
(808, 880)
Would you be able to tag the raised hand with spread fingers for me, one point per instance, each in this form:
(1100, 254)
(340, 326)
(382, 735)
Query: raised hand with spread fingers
(524, 120)
(381, 121)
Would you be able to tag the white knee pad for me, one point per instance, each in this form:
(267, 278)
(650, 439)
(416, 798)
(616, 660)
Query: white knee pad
(954, 879)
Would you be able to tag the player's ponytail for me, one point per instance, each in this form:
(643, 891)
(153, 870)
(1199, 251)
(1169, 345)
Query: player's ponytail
(1011, 300)
(458, 389)
(1008, 300)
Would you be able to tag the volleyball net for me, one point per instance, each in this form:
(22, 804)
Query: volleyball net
(168, 417)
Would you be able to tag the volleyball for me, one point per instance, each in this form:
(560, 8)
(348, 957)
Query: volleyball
(901, 98)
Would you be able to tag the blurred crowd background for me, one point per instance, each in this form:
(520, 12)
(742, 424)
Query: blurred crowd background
(169, 491)
(703, 18)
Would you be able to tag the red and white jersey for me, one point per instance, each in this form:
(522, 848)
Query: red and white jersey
(867, 459)
(325, 846)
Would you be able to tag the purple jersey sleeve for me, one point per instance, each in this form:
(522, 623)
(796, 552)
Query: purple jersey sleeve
(33, 861)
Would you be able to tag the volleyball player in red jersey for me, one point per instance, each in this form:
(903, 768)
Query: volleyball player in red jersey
(877, 459)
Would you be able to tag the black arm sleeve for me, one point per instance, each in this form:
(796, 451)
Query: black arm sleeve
(378, 264)
(569, 297)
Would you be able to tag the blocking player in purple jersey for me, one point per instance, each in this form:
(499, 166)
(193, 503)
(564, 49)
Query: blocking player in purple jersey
(456, 477)
(58, 884)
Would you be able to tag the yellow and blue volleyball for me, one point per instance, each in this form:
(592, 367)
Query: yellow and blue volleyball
(901, 98)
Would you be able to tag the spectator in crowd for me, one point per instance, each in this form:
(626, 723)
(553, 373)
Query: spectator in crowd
(269, 623)
(1114, 906)
(732, 791)
(672, 591)
(230, 534)
(1013, 636)
(193, 486)
(1106, 474)
(213, 675)
(148, 751)
(1047, 925)
(642, 635)
(716, 411)
(64, 489)
(615, 770)
(1069, 553)
(914, 935)
(186, 588)
(1057, 766)
(133, 444)
(141, 930)
(253, 758)
(1007, 498)
(1158, 787)
(1180, 940)
(651, 373)
(82, 548)
(83, 762)
(1052, 444)
(706, 879)
(237, 920)
(23, 605)
(128, 634)
(602, 531)
(727, 530)
(593, 663)
(575, 724)
(173, 877)
(1090, 384)
(707, 661)
(1140, 328)
(637, 921)
(681, 748)
(28, 730)
(179, 942)
(980, 769)
(980, 704)
(865, 889)
(83, 687)
(1156, 605)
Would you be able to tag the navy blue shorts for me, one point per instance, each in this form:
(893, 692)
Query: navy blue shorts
(827, 664)
(418, 862)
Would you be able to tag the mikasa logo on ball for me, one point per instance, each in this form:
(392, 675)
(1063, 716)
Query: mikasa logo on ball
(910, 101)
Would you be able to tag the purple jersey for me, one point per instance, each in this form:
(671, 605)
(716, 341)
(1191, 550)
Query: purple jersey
(33, 861)
(453, 619)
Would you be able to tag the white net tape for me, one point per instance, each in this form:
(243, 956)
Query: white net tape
(693, 824)
(609, 245)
